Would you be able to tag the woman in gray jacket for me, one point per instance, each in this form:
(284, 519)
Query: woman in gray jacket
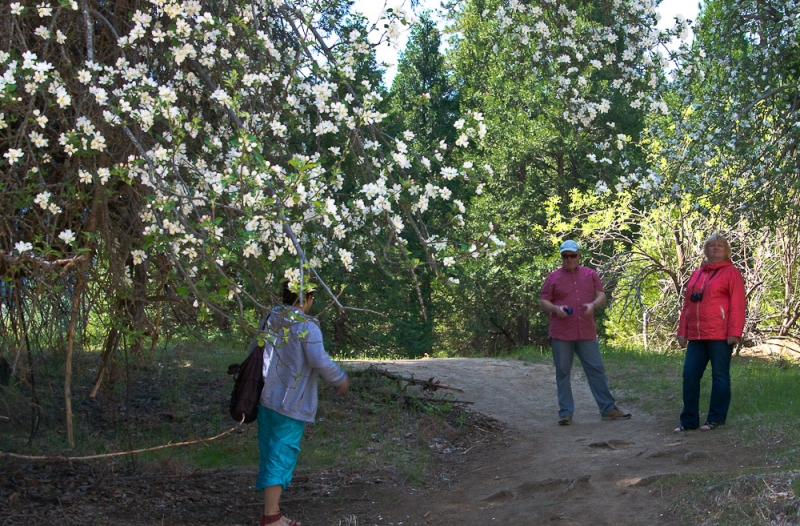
(294, 358)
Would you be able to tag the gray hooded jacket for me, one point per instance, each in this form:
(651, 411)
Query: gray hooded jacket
(294, 358)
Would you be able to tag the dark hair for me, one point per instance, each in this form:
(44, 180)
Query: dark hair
(290, 297)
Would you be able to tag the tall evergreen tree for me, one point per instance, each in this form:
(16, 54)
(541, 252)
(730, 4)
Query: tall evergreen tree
(421, 106)
(559, 123)
(423, 94)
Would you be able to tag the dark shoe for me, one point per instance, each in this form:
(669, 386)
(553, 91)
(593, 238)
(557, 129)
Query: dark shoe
(565, 420)
(616, 414)
(709, 426)
(681, 428)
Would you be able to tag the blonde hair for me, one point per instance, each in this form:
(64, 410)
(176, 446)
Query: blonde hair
(716, 236)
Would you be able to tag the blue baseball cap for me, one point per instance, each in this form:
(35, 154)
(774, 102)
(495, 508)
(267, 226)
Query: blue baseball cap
(569, 246)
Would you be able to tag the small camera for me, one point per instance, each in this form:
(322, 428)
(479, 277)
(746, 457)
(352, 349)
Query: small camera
(568, 310)
(696, 296)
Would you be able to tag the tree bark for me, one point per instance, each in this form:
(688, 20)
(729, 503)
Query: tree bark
(73, 322)
(108, 350)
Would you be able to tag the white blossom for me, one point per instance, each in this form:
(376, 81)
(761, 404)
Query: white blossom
(222, 96)
(103, 174)
(84, 176)
(13, 155)
(346, 258)
(67, 236)
(22, 246)
(38, 139)
(139, 256)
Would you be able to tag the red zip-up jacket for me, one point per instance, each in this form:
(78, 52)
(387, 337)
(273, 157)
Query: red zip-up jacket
(721, 312)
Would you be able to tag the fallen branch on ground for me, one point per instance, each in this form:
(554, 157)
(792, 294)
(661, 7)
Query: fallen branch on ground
(427, 385)
(122, 453)
(409, 398)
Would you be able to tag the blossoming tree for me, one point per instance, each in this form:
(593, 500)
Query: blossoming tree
(162, 152)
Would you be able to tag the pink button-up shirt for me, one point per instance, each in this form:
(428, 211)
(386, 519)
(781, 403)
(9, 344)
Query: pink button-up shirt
(573, 289)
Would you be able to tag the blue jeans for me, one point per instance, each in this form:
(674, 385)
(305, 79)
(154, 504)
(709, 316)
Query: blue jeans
(588, 352)
(698, 354)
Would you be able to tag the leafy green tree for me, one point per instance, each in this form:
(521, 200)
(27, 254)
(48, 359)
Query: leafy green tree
(182, 158)
(423, 95)
(422, 107)
(733, 134)
(727, 152)
(561, 119)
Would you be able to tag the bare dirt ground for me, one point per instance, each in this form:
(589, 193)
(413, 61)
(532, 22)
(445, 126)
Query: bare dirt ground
(593, 472)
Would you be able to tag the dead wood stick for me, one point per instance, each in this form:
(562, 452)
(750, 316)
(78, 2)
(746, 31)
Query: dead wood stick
(433, 400)
(425, 384)
(122, 453)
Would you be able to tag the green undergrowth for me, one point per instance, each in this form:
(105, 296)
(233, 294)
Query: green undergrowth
(765, 401)
(382, 428)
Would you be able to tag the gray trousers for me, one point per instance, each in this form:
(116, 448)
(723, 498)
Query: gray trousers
(588, 352)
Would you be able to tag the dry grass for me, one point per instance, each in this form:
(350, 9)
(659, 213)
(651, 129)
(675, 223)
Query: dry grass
(763, 499)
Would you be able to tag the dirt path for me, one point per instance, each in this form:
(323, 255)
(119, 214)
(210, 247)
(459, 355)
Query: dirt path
(593, 472)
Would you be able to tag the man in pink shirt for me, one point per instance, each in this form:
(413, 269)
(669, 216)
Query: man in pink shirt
(571, 294)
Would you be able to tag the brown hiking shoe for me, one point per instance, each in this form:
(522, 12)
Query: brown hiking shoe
(616, 414)
(565, 420)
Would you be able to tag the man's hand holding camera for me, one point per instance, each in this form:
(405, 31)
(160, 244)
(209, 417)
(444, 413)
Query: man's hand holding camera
(562, 311)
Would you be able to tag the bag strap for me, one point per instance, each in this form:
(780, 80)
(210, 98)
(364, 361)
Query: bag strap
(706, 283)
(262, 326)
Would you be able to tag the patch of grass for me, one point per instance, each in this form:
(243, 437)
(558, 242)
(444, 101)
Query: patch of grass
(225, 454)
(764, 396)
(378, 430)
(177, 395)
(746, 500)
(651, 380)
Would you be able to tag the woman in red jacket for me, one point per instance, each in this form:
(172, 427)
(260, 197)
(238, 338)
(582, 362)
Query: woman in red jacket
(712, 321)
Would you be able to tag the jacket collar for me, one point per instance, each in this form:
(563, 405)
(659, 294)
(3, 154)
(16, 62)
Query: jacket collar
(710, 267)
